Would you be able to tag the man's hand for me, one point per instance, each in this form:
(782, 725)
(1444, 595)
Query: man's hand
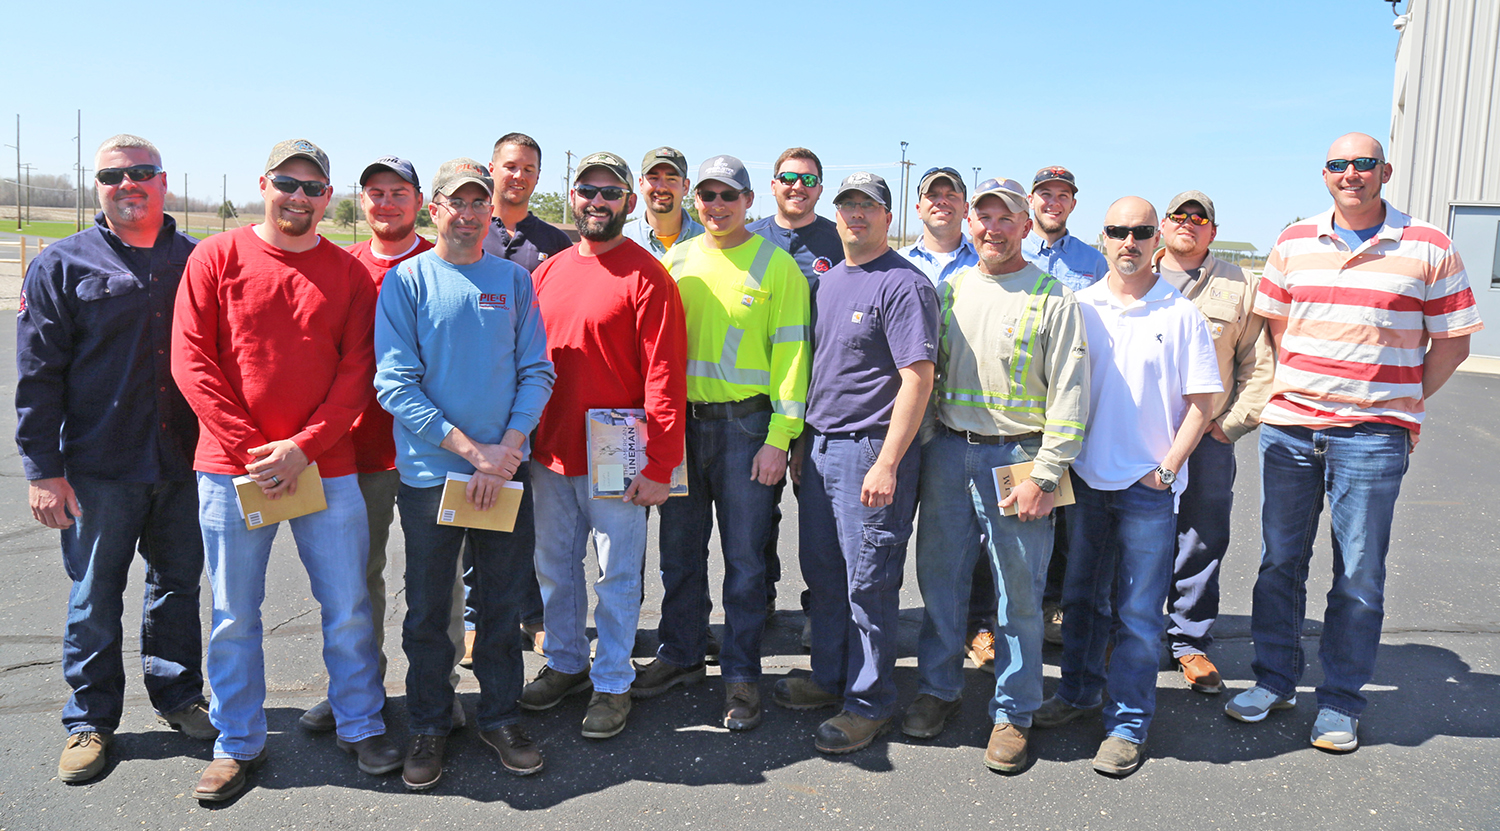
(769, 465)
(277, 468)
(1153, 480)
(1218, 433)
(794, 461)
(53, 502)
(646, 492)
(879, 489)
(483, 490)
(1030, 500)
(497, 460)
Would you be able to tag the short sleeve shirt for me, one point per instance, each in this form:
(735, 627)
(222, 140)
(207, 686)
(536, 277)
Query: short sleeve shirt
(815, 247)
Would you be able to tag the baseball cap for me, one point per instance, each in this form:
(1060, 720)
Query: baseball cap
(1193, 196)
(455, 173)
(1009, 191)
(665, 155)
(609, 161)
(298, 148)
(867, 183)
(1055, 174)
(955, 179)
(726, 170)
(400, 167)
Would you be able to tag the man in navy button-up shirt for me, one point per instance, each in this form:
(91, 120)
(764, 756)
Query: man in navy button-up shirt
(107, 441)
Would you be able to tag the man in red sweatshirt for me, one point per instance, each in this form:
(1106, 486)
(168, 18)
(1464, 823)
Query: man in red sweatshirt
(272, 346)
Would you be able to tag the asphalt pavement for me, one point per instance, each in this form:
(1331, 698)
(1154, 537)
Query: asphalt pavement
(1429, 738)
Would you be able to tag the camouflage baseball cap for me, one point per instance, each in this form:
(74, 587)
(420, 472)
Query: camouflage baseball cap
(609, 161)
(665, 155)
(455, 173)
(298, 148)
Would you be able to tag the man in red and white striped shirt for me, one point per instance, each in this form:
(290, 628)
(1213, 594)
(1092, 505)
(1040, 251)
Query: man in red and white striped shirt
(1371, 313)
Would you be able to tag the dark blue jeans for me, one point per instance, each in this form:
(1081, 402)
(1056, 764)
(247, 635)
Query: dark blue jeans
(1202, 538)
(719, 455)
(500, 561)
(853, 560)
(161, 521)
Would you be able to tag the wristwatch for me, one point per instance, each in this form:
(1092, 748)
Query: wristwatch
(1167, 477)
(1044, 485)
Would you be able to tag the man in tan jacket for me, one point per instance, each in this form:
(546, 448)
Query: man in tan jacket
(1225, 294)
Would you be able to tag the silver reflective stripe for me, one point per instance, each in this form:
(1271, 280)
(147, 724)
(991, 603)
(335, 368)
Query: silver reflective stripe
(791, 334)
(725, 370)
(758, 266)
(790, 409)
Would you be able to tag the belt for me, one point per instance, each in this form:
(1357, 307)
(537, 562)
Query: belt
(731, 409)
(979, 438)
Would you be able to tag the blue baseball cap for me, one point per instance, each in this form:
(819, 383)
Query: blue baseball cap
(399, 166)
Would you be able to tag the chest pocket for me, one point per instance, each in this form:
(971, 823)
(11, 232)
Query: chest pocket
(747, 304)
(1222, 309)
(858, 325)
(105, 286)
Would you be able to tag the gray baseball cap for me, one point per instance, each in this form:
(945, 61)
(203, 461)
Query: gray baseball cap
(955, 179)
(1193, 196)
(726, 170)
(867, 183)
(1009, 191)
(455, 173)
(609, 161)
(295, 149)
(665, 155)
(399, 166)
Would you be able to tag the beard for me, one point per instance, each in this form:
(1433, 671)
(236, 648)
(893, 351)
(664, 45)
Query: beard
(1181, 247)
(599, 229)
(1126, 267)
(387, 232)
(660, 207)
(294, 227)
(1048, 226)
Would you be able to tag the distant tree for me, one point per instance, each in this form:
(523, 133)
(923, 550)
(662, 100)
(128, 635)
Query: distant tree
(692, 210)
(345, 212)
(424, 218)
(226, 210)
(1293, 222)
(548, 207)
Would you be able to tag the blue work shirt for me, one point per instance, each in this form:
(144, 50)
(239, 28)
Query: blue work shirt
(1076, 263)
(533, 241)
(640, 230)
(816, 247)
(939, 267)
(94, 389)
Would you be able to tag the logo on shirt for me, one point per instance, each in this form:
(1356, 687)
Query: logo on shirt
(494, 301)
(858, 316)
(1158, 338)
(22, 310)
(747, 301)
(1217, 329)
(822, 264)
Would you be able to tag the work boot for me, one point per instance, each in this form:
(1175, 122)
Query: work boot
(424, 762)
(927, 716)
(551, 687)
(191, 721)
(848, 732)
(802, 694)
(377, 755)
(1119, 757)
(981, 646)
(318, 718)
(225, 778)
(606, 714)
(742, 706)
(1201, 674)
(83, 756)
(518, 753)
(1007, 748)
(1055, 712)
(658, 676)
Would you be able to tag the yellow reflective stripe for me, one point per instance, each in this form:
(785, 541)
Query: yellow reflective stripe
(758, 266)
(791, 334)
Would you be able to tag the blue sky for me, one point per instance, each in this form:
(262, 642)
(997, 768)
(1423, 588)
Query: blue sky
(1239, 100)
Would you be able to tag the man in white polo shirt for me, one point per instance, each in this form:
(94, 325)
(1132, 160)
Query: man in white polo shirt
(1153, 375)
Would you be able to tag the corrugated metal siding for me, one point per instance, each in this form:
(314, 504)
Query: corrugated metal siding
(1445, 114)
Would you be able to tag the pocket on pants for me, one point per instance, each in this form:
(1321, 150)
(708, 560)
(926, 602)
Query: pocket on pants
(879, 547)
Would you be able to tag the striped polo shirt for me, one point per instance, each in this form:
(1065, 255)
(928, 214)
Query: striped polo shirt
(1358, 322)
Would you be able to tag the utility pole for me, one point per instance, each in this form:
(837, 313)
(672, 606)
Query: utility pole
(356, 189)
(28, 167)
(903, 193)
(187, 213)
(567, 182)
(79, 139)
(18, 172)
(976, 178)
(223, 214)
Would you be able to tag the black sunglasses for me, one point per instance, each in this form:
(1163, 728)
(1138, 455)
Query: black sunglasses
(136, 172)
(708, 196)
(1363, 164)
(287, 184)
(1140, 232)
(610, 192)
(809, 180)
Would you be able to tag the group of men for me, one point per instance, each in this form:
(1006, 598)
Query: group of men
(154, 370)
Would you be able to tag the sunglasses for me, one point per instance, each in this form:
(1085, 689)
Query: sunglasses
(1363, 164)
(708, 196)
(809, 180)
(611, 192)
(1184, 218)
(137, 173)
(287, 184)
(1140, 232)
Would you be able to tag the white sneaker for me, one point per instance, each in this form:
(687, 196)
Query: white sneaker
(1256, 703)
(1335, 731)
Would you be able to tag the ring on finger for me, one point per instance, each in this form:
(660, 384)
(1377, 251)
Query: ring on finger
(275, 480)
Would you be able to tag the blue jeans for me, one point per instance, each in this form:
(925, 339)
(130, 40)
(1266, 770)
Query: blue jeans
(566, 518)
(853, 561)
(1203, 511)
(1359, 470)
(1120, 548)
(333, 544)
(960, 517)
(432, 555)
(162, 520)
(719, 456)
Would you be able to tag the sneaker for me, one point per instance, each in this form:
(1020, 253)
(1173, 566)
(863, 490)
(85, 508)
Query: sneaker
(424, 762)
(848, 732)
(927, 716)
(1055, 712)
(658, 676)
(225, 778)
(1256, 703)
(1119, 757)
(1006, 752)
(518, 753)
(551, 687)
(742, 705)
(606, 714)
(1052, 624)
(533, 637)
(467, 662)
(982, 647)
(191, 721)
(1335, 731)
(377, 754)
(802, 694)
(83, 756)
(319, 718)
(1201, 674)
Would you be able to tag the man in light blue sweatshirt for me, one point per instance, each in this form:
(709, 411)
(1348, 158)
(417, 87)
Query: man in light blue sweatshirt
(463, 368)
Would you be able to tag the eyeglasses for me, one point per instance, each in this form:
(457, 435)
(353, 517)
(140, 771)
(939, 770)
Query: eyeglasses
(708, 196)
(1363, 164)
(136, 172)
(1140, 232)
(610, 193)
(458, 206)
(287, 184)
(1183, 218)
(788, 178)
(852, 207)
